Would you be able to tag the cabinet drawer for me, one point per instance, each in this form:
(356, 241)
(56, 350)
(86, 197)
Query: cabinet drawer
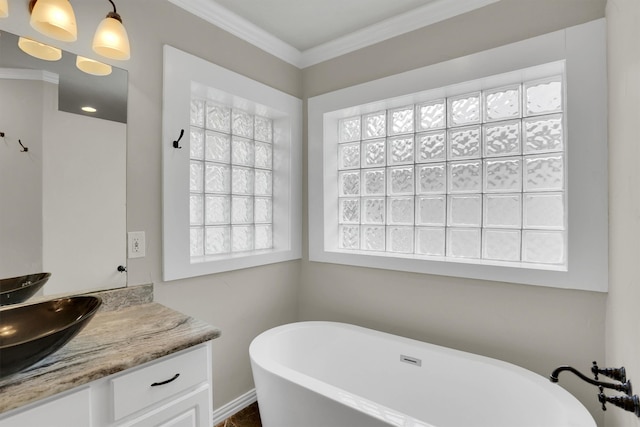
(160, 380)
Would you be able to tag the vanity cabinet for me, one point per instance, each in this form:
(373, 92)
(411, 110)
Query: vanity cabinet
(70, 410)
(172, 391)
(188, 410)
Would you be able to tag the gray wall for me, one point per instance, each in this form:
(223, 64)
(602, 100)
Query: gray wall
(623, 314)
(535, 327)
(242, 303)
(21, 114)
(503, 22)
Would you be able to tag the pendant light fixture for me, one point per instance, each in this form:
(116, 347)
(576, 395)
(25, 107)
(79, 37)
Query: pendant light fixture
(54, 18)
(111, 40)
(93, 67)
(39, 50)
(4, 9)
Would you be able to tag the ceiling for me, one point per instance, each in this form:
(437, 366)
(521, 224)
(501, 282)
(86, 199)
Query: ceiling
(306, 32)
(308, 23)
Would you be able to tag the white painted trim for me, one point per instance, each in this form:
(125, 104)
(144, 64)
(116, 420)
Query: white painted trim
(233, 407)
(420, 17)
(583, 48)
(183, 74)
(389, 28)
(221, 17)
(28, 74)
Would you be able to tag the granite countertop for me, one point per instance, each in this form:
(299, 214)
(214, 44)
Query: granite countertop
(112, 342)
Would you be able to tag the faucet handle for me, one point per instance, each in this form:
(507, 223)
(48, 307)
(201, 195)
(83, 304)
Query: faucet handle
(628, 403)
(618, 374)
(602, 398)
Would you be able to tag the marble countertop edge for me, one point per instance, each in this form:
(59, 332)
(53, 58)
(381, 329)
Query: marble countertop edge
(112, 342)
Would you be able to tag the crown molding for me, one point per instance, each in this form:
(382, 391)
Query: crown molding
(222, 17)
(412, 20)
(28, 74)
(428, 14)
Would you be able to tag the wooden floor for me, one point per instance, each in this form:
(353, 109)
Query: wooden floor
(248, 417)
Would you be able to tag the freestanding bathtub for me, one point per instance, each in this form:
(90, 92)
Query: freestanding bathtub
(325, 374)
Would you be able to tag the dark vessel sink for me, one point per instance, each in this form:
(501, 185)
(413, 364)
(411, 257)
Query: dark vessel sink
(29, 333)
(18, 289)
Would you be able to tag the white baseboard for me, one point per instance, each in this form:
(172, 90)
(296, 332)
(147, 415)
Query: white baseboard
(233, 407)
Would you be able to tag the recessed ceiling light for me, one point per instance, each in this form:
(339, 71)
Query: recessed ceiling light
(89, 109)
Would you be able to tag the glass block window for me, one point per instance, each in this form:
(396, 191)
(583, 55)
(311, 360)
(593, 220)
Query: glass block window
(231, 180)
(479, 175)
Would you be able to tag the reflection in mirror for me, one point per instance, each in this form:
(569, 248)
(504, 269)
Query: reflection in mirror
(64, 200)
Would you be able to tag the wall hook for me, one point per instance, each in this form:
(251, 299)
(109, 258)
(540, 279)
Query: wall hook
(23, 149)
(175, 143)
(122, 269)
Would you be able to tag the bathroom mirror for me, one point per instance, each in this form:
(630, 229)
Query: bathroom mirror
(62, 171)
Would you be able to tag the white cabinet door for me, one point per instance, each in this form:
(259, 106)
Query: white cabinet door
(71, 410)
(189, 410)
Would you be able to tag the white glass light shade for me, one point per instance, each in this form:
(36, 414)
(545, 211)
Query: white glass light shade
(111, 40)
(55, 19)
(93, 67)
(4, 9)
(39, 50)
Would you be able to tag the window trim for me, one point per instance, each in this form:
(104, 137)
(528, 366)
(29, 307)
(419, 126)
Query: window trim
(583, 49)
(183, 73)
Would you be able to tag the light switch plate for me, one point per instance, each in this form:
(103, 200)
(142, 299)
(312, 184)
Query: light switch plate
(136, 244)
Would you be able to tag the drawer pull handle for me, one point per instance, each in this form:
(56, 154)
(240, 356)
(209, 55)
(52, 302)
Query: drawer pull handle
(175, 377)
